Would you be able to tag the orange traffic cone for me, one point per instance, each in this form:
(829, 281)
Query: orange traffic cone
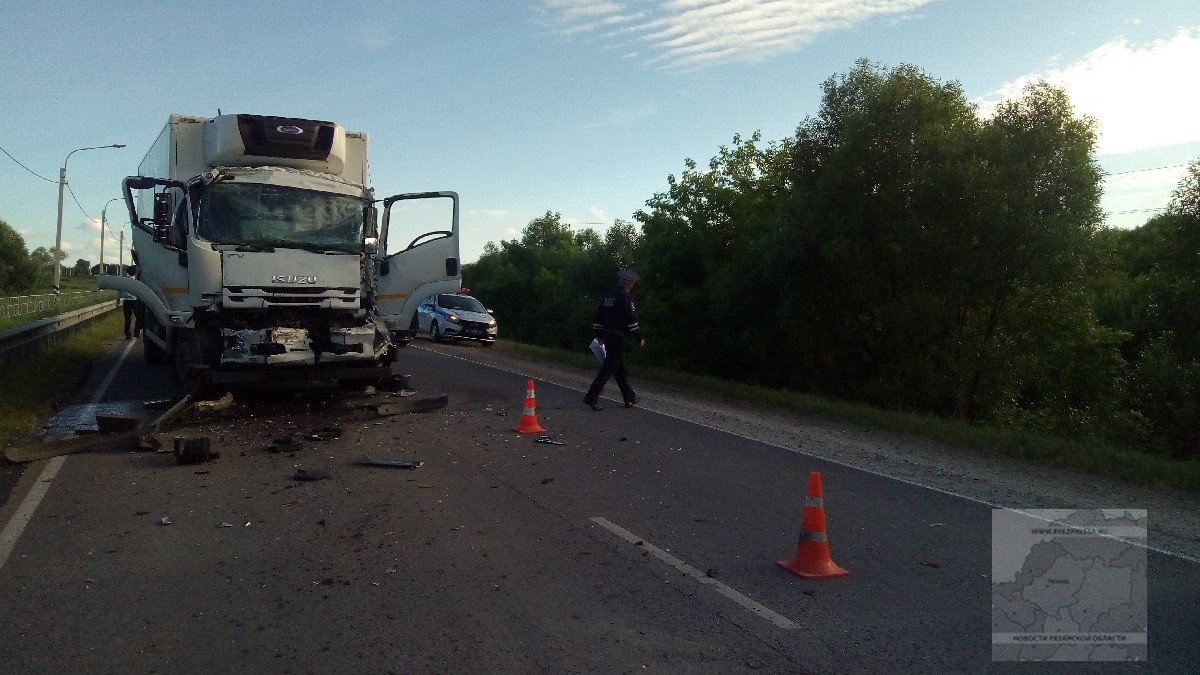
(811, 560)
(529, 423)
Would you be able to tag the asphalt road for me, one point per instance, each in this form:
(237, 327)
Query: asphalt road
(644, 543)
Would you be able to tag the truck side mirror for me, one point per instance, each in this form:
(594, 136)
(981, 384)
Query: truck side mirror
(371, 245)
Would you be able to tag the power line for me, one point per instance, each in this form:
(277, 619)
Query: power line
(76, 200)
(1153, 168)
(1120, 213)
(25, 167)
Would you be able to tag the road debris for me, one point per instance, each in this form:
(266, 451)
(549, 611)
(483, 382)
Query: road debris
(413, 406)
(548, 439)
(286, 444)
(310, 474)
(390, 463)
(165, 520)
(213, 406)
(324, 434)
(54, 447)
(111, 424)
(194, 450)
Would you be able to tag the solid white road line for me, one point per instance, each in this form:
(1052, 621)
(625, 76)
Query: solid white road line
(16, 525)
(742, 600)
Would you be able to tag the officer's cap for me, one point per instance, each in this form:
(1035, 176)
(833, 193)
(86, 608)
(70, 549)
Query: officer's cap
(627, 275)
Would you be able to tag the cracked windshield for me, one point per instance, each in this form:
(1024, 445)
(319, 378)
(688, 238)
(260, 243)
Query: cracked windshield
(256, 214)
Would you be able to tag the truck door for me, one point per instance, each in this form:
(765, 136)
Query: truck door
(418, 254)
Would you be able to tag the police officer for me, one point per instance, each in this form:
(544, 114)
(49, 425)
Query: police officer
(132, 308)
(616, 320)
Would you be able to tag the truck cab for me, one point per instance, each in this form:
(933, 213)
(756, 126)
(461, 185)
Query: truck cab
(261, 255)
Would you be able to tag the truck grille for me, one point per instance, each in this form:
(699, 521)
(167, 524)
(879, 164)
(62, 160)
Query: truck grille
(263, 297)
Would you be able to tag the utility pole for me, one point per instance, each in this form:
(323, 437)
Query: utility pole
(104, 224)
(62, 182)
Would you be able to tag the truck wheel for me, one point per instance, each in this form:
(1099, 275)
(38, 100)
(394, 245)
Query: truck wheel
(153, 354)
(187, 354)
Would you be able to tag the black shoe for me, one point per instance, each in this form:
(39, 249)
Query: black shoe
(630, 404)
(594, 406)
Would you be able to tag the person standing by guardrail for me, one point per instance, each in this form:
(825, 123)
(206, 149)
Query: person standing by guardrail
(132, 307)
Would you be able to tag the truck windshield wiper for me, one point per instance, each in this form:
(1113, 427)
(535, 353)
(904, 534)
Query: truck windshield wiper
(315, 248)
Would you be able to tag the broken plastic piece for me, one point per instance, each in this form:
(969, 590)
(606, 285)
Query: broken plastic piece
(219, 404)
(547, 439)
(419, 405)
(111, 424)
(391, 463)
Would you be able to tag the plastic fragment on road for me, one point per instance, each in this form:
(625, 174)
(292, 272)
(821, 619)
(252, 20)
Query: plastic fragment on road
(418, 405)
(389, 463)
(310, 474)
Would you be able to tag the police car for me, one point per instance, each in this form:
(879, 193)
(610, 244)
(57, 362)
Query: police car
(455, 316)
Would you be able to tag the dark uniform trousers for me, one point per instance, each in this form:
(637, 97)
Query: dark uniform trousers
(614, 367)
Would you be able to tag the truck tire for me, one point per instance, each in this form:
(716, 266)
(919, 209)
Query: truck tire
(153, 354)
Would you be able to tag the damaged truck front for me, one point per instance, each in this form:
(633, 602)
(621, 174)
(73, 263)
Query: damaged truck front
(260, 258)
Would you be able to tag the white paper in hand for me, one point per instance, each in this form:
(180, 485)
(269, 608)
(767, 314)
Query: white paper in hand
(597, 348)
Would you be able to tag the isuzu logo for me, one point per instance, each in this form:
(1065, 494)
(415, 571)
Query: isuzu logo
(293, 279)
(289, 129)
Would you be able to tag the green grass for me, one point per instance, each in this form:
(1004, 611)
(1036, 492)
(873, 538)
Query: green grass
(1087, 457)
(35, 386)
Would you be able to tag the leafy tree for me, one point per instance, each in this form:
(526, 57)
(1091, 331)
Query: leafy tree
(1159, 307)
(910, 229)
(697, 259)
(82, 267)
(875, 238)
(544, 286)
(1037, 234)
(17, 269)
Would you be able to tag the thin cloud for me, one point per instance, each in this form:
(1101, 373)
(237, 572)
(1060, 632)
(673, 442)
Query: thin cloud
(690, 34)
(1141, 96)
(489, 213)
(374, 38)
(624, 115)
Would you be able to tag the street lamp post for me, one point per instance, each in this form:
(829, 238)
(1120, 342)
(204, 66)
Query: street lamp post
(103, 224)
(62, 181)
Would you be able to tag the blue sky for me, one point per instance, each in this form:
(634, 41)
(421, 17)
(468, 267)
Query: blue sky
(580, 107)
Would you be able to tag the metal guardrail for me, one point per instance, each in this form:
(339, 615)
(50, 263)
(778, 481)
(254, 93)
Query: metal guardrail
(20, 305)
(22, 340)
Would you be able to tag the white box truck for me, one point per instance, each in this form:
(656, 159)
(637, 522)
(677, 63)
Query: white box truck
(260, 256)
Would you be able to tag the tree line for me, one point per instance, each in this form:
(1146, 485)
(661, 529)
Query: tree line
(24, 272)
(902, 251)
